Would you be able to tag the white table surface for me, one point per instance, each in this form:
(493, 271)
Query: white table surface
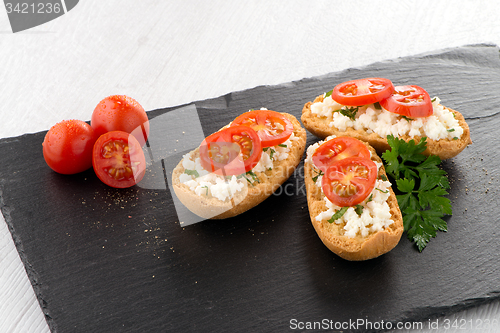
(166, 53)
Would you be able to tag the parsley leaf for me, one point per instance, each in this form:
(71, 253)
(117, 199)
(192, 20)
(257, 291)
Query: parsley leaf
(421, 189)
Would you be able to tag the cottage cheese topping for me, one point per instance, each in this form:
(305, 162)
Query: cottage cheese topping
(376, 213)
(208, 184)
(441, 125)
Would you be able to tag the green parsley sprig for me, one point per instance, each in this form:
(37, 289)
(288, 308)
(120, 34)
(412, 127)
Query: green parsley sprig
(421, 189)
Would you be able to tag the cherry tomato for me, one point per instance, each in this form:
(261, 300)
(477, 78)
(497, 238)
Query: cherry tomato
(272, 127)
(362, 91)
(349, 181)
(121, 113)
(337, 149)
(409, 101)
(118, 159)
(67, 147)
(231, 151)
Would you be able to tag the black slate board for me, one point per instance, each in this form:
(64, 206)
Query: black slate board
(107, 260)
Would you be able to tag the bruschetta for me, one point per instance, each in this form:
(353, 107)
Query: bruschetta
(407, 112)
(351, 202)
(238, 167)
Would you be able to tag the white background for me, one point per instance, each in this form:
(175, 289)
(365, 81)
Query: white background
(167, 53)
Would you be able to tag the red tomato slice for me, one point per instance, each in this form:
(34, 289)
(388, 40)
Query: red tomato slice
(121, 113)
(118, 159)
(362, 91)
(272, 127)
(349, 181)
(231, 151)
(67, 146)
(409, 101)
(337, 149)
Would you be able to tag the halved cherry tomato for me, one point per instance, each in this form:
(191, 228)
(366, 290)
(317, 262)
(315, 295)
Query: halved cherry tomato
(67, 146)
(349, 181)
(410, 101)
(362, 91)
(231, 151)
(118, 159)
(121, 113)
(272, 127)
(337, 149)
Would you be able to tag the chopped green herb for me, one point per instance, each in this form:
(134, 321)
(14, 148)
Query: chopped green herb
(386, 191)
(206, 187)
(329, 93)
(358, 209)
(315, 178)
(451, 130)
(248, 180)
(370, 198)
(433, 99)
(407, 118)
(253, 176)
(338, 214)
(192, 173)
(349, 112)
(383, 177)
(272, 153)
(421, 189)
(377, 106)
(282, 145)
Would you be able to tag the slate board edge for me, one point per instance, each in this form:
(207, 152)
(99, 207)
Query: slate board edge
(32, 275)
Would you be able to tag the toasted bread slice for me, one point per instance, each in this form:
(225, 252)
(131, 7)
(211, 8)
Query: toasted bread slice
(210, 207)
(333, 235)
(444, 148)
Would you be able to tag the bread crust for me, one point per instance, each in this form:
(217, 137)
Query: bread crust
(331, 234)
(444, 148)
(252, 195)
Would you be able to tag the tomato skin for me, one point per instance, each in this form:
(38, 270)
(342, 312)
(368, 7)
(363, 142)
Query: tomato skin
(272, 127)
(337, 149)
(118, 159)
(231, 151)
(410, 101)
(67, 146)
(362, 91)
(121, 113)
(348, 182)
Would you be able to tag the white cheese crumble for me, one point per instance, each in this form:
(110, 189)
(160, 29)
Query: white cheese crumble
(440, 125)
(376, 213)
(225, 188)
